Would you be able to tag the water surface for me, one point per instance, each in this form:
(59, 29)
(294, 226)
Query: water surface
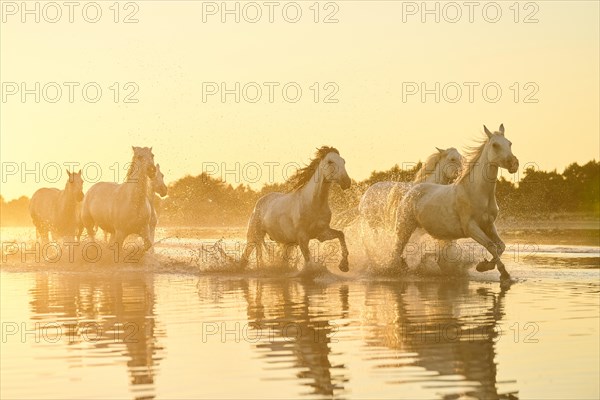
(163, 329)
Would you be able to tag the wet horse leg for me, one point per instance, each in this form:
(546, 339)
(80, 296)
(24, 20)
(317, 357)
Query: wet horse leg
(443, 258)
(254, 240)
(493, 234)
(405, 226)
(331, 234)
(303, 241)
(116, 244)
(479, 235)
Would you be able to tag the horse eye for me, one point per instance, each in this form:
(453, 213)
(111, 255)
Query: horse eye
(496, 145)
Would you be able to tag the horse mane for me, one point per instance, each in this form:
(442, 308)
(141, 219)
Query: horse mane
(130, 171)
(303, 175)
(133, 167)
(428, 167)
(472, 156)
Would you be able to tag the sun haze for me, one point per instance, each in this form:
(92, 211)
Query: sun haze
(375, 81)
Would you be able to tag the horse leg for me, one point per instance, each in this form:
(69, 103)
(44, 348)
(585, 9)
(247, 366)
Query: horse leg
(303, 244)
(91, 232)
(284, 251)
(253, 242)
(79, 232)
(44, 234)
(148, 243)
(151, 235)
(443, 259)
(405, 226)
(479, 235)
(116, 244)
(493, 234)
(330, 234)
(38, 233)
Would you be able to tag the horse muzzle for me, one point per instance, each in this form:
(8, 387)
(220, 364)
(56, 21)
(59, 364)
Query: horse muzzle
(513, 165)
(345, 182)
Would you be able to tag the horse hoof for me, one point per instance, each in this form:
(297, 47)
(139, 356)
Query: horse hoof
(485, 266)
(344, 266)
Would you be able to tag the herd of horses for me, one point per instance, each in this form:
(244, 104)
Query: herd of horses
(450, 198)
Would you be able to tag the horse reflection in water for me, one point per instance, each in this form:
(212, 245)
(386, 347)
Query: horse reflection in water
(444, 343)
(287, 317)
(446, 329)
(105, 311)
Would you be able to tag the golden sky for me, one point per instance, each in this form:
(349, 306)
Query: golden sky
(374, 53)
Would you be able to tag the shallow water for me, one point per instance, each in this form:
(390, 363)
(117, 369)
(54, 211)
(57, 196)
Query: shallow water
(181, 325)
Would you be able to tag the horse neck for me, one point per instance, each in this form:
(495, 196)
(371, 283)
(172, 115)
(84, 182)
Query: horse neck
(483, 177)
(66, 201)
(316, 190)
(137, 183)
(437, 176)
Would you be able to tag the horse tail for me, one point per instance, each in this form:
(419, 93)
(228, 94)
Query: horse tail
(255, 233)
(255, 237)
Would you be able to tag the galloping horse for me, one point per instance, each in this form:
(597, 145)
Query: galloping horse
(56, 211)
(122, 209)
(464, 209)
(378, 205)
(296, 217)
(158, 187)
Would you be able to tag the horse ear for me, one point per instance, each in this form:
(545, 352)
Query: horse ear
(440, 150)
(79, 173)
(501, 129)
(68, 172)
(487, 131)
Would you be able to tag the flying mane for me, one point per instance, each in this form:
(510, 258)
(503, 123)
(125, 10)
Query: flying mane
(428, 167)
(472, 155)
(303, 175)
(134, 168)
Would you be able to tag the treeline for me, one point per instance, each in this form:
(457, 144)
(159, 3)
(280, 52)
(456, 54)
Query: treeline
(206, 201)
(577, 189)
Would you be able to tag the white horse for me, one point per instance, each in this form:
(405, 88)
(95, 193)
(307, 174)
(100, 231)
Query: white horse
(378, 205)
(56, 211)
(159, 188)
(464, 209)
(122, 209)
(303, 214)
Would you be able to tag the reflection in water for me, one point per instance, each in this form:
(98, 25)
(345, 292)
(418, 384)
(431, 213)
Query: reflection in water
(298, 325)
(438, 334)
(114, 315)
(450, 327)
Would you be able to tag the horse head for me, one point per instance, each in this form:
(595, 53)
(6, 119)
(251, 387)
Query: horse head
(450, 163)
(143, 157)
(158, 183)
(74, 185)
(333, 168)
(499, 150)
